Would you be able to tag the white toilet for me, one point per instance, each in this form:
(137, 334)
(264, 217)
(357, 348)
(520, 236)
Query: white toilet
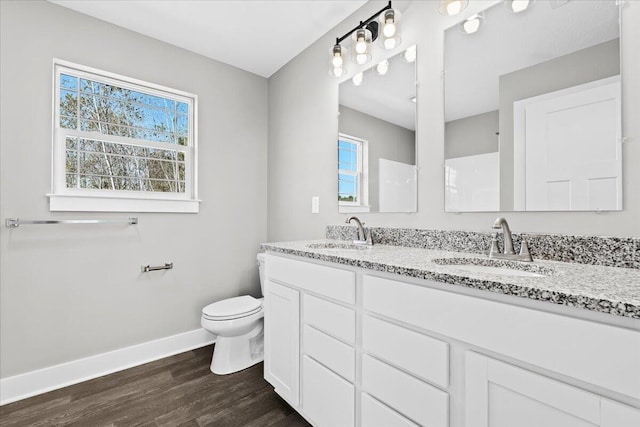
(238, 324)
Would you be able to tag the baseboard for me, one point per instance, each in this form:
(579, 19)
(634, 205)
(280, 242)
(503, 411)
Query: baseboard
(41, 381)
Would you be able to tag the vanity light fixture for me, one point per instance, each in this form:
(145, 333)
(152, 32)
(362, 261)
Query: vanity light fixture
(409, 55)
(383, 23)
(389, 21)
(357, 79)
(361, 39)
(471, 24)
(517, 6)
(382, 67)
(337, 66)
(452, 7)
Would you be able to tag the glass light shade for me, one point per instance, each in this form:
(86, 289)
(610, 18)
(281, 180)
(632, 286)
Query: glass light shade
(517, 6)
(357, 79)
(382, 67)
(452, 7)
(410, 54)
(471, 24)
(361, 41)
(362, 58)
(337, 71)
(389, 20)
(391, 42)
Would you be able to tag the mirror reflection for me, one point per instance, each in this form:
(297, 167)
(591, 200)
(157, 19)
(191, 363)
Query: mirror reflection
(533, 108)
(376, 142)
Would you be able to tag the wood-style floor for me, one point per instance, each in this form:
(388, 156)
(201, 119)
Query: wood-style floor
(175, 391)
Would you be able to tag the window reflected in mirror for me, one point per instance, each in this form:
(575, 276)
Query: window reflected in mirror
(377, 169)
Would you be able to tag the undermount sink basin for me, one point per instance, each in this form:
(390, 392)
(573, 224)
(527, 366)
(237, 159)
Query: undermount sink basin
(495, 267)
(337, 246)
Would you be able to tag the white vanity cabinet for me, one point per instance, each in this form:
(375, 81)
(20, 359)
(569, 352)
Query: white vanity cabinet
(282, 340)
(323, 333)
(502, 395)
(374, 350)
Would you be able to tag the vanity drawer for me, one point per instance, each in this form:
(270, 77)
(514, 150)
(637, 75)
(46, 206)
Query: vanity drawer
(332, 353)
(413, 398)
(603, 355)
(419, 354)
(328, 281)
(331, 318)
(375, 414)
(327, 399)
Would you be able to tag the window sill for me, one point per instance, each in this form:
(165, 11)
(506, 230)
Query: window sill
(353, 209)
(74, 203)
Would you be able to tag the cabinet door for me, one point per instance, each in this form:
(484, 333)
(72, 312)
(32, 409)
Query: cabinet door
(282, 340)
(327, 399)
(502, 395)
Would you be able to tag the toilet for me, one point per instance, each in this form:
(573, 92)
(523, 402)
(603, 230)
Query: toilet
(238, 324)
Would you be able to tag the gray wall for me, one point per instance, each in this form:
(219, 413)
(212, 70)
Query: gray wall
(386, 141)
(74, 291)
(586, 65)
(302, 130)
(471, 135)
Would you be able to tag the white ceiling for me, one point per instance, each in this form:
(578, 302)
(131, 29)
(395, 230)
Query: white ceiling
(508, 42)
(386, 97)
(256, 36)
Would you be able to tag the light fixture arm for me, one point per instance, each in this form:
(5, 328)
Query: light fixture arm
(369, 24)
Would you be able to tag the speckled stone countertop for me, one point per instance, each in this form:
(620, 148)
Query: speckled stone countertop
(603, 289)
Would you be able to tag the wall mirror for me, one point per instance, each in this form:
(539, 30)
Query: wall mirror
(377, 138)
(533, 108)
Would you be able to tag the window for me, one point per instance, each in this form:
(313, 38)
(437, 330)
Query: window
(121, 144)
(352, 174)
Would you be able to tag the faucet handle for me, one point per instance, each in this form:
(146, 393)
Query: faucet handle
(524, 251)
(494, 245)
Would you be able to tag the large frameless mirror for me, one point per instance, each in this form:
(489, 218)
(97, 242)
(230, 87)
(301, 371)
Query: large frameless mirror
(533, 108)
(377, 138)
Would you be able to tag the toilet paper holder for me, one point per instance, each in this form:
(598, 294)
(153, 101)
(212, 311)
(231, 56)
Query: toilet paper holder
(147, 268)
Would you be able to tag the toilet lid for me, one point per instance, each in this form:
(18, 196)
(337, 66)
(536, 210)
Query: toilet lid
(232, 307)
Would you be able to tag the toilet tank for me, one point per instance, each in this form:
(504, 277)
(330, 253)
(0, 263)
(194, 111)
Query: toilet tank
(261, 258)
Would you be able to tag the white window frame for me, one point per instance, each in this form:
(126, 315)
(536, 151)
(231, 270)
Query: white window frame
(362, 205)
(62, 198)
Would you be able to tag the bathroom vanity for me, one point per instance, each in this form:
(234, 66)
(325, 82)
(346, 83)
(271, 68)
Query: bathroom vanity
(398, 336)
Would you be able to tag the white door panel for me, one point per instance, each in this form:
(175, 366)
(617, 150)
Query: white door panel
(568, 147)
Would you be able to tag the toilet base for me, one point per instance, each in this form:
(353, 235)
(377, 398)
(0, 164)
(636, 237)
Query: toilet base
(233, 354)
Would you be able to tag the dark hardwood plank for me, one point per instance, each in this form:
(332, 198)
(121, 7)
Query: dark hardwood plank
(175, 391)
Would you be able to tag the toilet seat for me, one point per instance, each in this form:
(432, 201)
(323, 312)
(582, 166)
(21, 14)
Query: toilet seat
(232, 308)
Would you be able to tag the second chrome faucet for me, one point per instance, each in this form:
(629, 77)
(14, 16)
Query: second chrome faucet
(508, 252)
(364, 236)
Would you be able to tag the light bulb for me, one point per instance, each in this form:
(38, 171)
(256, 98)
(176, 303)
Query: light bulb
(337, 61)
(338, 71)
(361, 42)
(382, 67)
(471, 25)
(361, 58)
(454, 7)
(519, 5)
(389, 29)
(357, 79)
(390, 43)
(410, 54)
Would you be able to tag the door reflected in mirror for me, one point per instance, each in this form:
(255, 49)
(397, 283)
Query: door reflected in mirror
(377, 138)
(533, 109)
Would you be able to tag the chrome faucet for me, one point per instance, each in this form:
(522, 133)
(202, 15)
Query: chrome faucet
(508, 252)
(364, 237)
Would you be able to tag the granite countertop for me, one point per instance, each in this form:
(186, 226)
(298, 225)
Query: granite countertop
(611, 290)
